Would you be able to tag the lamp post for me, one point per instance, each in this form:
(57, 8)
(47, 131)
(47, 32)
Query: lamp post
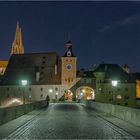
(114, 84)
(56, 94)
(24, 83)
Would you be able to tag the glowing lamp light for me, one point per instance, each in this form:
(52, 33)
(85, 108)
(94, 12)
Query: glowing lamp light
(50, 90)
(56, 93)
(83, 91)
(81, 94)
(24, 82)
(114, 83)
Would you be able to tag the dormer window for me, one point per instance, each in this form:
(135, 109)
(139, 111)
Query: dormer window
(68, 53)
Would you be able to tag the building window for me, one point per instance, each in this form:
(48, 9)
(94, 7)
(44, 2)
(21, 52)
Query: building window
(42, 72)
(30, 89)
(71, 79)
(41, 89)
(43, 62)
(126, 89)
(126, 97)
(8, 88)
(56, 89)
(126, 104)
(18, 89)
(44, 57)
(42, 67)
(100, 89)
(66, 79)
(41, 96)
(8, 96)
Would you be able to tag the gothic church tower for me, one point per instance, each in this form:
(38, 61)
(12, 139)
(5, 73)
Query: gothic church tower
(69, 66)
(17, 46)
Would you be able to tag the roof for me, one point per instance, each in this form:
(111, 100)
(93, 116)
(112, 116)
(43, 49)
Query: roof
(114, 71)
(25, 66)
(3, 63)
(85, 74)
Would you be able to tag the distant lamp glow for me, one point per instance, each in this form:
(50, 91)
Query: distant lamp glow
(56, 93)
(24, 82)
(114, 83)
(81, 94)
(50, 90)
(83, 91)
(119, 97)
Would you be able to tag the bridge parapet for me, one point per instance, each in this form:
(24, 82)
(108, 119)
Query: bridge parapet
(128, 114)
(13, 112)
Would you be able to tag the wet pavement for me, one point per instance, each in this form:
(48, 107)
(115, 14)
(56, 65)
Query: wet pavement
(68, 121)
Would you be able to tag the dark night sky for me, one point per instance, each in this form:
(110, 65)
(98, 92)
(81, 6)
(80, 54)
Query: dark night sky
(100, 31)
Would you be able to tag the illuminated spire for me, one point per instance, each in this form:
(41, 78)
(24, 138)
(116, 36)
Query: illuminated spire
(17, 46)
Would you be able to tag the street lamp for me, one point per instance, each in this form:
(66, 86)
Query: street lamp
(114, 84)
(24, 83)
(56, 94)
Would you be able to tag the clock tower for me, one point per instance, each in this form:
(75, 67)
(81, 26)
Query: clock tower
(69, 66)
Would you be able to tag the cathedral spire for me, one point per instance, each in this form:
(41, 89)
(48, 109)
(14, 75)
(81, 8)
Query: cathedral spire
(17, 46)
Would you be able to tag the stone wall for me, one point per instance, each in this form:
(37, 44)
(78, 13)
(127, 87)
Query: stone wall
(131, 115)
(10, 113)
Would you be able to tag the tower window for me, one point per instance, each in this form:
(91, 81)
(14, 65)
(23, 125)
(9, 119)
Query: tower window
(71, 79)
(66, 79)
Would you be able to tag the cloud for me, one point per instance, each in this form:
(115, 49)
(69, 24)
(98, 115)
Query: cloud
(131, 20)
(106, 28)
(135, 19)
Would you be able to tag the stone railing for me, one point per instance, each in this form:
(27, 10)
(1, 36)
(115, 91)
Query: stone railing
(13, 112)
(131, 115)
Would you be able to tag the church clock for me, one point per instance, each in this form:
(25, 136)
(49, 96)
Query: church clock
(68, 66)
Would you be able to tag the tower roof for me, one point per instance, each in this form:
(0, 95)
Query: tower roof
(69, 52)
(17, 46)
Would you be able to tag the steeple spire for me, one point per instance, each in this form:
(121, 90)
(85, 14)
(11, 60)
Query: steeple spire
(69, 46)
(17, 46)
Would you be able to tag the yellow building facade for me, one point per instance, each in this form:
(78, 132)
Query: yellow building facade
(138, 89)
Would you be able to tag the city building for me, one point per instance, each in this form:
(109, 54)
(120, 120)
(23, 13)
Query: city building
(115, 85)
(31, 77)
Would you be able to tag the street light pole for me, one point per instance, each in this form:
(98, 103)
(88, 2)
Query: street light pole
(24, 83)
(114, 85)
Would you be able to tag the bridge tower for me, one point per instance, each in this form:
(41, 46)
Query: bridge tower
(69, 67)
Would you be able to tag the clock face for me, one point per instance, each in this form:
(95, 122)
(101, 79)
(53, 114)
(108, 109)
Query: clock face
(69, 66)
